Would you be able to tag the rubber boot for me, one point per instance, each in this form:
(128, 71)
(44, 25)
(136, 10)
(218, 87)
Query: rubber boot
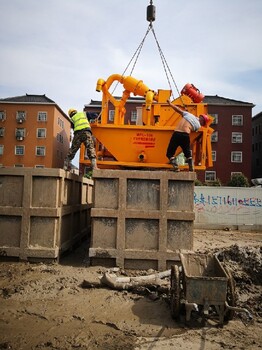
(93, 164)
(190, 164)
(173, 162)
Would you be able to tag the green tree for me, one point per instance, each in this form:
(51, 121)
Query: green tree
(238, 180)
(198, 183)
(215, 183)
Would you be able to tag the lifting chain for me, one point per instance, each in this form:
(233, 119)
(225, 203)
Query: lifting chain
(135, 56)
(151, 18)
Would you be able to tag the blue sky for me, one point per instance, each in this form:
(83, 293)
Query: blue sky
(61, 47)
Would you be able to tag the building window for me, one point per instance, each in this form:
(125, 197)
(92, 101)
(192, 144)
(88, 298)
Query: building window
(19, 165)
(214, 156)
(20, 116)
(42, 116)
(40, 150)
(2, 132)
(59, 154)
(20, 134)
(236, 137)
(60, 138)
(19, 150)
(2, 115)
(215, 118)
(60, 122)
(237, 119)
(133, 116)
(111, 115)
(39, 166)
(214, 136)
(210, 176)
(236, 157)
(1, 150)
(41, 133)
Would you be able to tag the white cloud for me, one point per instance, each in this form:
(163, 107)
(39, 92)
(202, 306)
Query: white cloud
(61, 47)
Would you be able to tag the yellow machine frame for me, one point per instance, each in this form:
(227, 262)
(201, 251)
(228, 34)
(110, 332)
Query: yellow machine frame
(144, 145)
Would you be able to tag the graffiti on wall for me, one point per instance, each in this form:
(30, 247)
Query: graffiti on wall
(227, 204)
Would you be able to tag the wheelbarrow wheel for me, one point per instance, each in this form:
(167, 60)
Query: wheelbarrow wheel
(175, 292)
(231, 295)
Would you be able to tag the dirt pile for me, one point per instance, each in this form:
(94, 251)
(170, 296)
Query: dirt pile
(248, 260)
(245, 264)
(45, 307)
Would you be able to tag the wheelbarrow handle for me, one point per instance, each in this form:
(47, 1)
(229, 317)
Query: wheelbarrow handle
(239, 309)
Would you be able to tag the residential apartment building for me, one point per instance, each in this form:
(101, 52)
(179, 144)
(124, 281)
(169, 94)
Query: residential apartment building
(132, 107)
(257, 146)
(34, 132)
(231, 140)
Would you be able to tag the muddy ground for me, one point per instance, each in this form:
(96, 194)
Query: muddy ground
(47, 306)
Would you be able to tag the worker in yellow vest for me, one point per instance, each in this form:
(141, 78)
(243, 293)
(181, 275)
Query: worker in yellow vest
(82, 134)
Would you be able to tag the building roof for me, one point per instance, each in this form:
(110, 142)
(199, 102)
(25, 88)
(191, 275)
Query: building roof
(257, 116)
(32, 99)
(94, 103)
(218, 100)
(211, 100)
(28, 99)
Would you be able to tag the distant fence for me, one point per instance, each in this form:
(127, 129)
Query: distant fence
(233, 207)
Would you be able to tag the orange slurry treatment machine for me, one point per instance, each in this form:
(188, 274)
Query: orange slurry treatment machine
(144, 145)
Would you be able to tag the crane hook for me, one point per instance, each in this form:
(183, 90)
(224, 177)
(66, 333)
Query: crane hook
(151, 12)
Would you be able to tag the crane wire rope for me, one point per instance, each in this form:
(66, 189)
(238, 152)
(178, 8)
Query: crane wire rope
(166, 67)
(163, 59)
(135, 56)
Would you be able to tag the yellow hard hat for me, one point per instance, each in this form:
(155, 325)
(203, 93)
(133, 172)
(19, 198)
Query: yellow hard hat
(71, 111)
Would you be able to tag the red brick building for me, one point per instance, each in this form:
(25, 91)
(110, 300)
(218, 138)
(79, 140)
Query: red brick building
(231, 140)
(257, 146)
(34, 132)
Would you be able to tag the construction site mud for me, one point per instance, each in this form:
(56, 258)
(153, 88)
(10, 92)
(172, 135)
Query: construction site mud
(47, 306)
